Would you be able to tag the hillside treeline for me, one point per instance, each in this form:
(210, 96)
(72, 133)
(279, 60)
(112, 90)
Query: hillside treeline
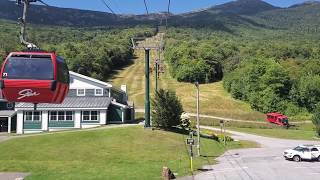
(272, 74)
(192, 58)
(268, 86)
(94, 52)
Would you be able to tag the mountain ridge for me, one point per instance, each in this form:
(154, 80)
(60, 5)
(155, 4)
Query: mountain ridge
(220, 16)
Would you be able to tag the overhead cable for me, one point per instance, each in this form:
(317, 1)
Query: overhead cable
(109, 8)
(146, 6)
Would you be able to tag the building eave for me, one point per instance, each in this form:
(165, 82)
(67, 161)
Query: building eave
(60, 109)
(90, 79)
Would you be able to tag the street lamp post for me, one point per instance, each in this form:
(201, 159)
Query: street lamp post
(198, 124)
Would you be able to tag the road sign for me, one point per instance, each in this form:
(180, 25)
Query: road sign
(190, 141)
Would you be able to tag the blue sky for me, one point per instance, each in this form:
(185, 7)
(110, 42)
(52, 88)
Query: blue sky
(137, 6)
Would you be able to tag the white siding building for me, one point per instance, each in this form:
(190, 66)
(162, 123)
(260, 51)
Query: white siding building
(90, 103)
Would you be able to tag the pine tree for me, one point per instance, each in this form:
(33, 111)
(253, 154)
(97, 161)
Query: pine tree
(166, 109)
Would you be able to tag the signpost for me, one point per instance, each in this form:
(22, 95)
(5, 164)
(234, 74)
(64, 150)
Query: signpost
(190, 141)
(223, 131)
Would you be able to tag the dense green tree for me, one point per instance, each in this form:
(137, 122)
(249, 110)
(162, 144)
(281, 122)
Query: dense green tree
(166, 109)
(316, 119)
(308, 91)
(264, 83)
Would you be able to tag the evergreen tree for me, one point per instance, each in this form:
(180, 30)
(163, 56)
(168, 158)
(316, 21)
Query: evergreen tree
(166, 109)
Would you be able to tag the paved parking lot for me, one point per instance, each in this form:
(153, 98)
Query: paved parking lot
(13, 176)
(265, 163)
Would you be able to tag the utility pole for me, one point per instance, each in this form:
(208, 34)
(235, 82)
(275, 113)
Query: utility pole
(147, 89)
(198, 123)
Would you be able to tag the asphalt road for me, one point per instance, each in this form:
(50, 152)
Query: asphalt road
(265, 163)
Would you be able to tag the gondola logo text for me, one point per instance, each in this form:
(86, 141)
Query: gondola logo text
(27, 93)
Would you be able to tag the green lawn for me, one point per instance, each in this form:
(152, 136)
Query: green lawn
(298, 131)
(303, 131)
(122, 153)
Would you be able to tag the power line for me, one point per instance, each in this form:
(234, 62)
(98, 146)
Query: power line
(106, 4)
(146, 6)
(43, 3)
(168, 13)
(117, 7)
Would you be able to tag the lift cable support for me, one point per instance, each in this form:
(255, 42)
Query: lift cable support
(146, 45)
(109, 7)
(23, 22)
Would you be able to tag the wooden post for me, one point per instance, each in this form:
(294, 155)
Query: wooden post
(167, 174)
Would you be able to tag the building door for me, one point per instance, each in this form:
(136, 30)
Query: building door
(114, 114)
(3, 124)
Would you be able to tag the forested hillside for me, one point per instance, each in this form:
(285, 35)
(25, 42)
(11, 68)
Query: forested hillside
(270, 61)
(95, 52)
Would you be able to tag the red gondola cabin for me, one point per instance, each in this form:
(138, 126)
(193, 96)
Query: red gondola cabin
(34, 77)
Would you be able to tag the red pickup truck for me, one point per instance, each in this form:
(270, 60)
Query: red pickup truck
(278, 119)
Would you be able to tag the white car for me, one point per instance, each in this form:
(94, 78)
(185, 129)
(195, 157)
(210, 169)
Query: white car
(303, 152)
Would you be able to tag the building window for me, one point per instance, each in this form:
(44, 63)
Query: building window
(28, 116)
(32, 116)
(94, 115)
(81, 92)
(61, 116)
(86, 116)
(90, 116)
(69, 116)
(53, 116)
(98, 92)
(9, 105)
